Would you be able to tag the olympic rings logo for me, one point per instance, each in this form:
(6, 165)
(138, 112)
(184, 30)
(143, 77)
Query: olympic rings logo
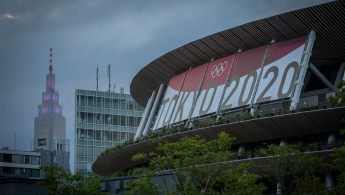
(218, 70)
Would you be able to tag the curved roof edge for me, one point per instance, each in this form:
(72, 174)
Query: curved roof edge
(328, 20)
(267, 128)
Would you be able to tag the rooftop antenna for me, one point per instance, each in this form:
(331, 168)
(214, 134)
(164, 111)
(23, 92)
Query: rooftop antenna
(114, 87)
(122, 90)
(51, 61)
(15, 140)
(97, 78)
(109, 75)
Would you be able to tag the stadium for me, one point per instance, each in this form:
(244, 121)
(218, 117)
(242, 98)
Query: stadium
(264, 81)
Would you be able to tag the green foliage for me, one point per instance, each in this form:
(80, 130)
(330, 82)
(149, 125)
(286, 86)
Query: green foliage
(139, 156)
(339, 97)
(61, 181)
(239, 181)
(297, 172)
(339, 165)
(196, 123)
(142, 185)
(197, 165)
(220, 120)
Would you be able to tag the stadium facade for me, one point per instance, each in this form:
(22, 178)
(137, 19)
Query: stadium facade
(285, 66)
(103, 120)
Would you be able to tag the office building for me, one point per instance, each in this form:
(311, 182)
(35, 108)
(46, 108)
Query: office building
(20, 172)
(22, 164)
(103, 120)
(50, 126)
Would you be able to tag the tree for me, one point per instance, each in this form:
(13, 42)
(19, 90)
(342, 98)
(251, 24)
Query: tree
(143, 185)
(339, 165)
(339, 97)
(198, 166)
(295, 171)
(61, 181)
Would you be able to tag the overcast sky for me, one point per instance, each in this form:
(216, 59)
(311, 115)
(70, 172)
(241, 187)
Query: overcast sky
(83, 34)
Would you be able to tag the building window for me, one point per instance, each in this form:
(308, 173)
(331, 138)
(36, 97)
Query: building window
(19, 159)
(41, 142)
(115, 136)
(131, 121)
(123, 104)
(35, 173)
(90, 151)
(8, 170)
(107, 135)
(138, 107)
(99, 118)
(90, 117)
(81, 117)
(123, 137)
(107, 118)
(80, 133)
(97, 151)
(130, 105)
(107, 103)
(35, 160)
(89, 101)
(115, 120)
(137, 119)
(115, 104)
(98, 135)
(27, 159)
(81, 100)
(80, 151)
(8, 158)
(90, 134)
(123, 121)
(99, 102)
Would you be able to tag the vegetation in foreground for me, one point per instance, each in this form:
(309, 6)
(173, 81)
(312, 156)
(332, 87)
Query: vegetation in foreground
(58, 180)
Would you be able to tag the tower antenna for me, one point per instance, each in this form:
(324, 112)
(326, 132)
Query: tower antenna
(51, 61)
(114, 87)
(97, 78)
(109, 75)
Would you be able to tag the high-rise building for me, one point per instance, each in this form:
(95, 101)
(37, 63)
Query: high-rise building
(50, 126)
(103, 120)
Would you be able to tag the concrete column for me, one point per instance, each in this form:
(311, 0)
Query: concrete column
(331, 139)
(302, 70)
(154, 108)
(241, 150)
(279, 190)
(283, 142)
(329, 180)
(145, 115)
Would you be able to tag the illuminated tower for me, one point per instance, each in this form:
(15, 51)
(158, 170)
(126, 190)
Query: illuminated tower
(50, 126)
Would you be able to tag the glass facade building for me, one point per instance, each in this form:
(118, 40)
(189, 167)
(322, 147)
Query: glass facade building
(103, 120)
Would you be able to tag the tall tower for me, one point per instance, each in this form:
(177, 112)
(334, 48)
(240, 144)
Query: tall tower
(50, 125)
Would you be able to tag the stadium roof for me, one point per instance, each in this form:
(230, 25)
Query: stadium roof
(327, 20)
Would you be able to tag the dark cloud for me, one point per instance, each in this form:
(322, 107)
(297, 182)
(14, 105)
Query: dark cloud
(129, 34)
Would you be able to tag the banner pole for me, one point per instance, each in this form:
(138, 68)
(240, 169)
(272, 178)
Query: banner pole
(302, 70)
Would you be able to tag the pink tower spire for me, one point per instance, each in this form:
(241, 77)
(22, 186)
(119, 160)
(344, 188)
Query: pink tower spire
(51, 61)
